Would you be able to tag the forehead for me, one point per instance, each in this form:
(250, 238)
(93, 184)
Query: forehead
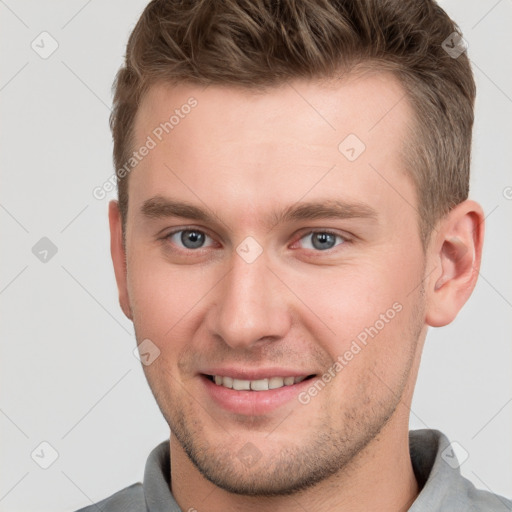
(366, 102)
(244, 149)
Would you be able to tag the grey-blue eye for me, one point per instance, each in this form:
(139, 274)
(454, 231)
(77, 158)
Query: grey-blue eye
(189, 238)
(322, 240)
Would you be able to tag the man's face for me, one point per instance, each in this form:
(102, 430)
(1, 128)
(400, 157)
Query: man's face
(270, 283)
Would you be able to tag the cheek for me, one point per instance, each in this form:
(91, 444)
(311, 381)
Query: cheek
(366, 303)
(375, 331)
(160, 294)
(168, 301)
(348, 300)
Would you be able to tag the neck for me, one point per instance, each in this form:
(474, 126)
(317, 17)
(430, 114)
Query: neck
(380, 477)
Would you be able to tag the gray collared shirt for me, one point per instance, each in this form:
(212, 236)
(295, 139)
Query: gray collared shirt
(443, 488)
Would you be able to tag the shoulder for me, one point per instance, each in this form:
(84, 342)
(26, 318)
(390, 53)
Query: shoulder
(484, 501)
(130, 499)
(442, 485)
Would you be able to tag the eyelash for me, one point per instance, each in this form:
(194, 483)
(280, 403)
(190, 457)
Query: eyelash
(345, 240)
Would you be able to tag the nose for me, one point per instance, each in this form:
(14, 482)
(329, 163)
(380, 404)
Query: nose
(251, 305)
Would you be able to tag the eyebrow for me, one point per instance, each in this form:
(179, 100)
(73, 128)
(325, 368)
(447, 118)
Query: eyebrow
(158, 207)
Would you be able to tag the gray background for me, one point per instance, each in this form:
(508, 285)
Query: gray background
(68, 374)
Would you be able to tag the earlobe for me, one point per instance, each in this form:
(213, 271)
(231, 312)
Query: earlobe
(456, 251)
(118, 254)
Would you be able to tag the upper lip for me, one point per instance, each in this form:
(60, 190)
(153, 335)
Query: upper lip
(256, 373)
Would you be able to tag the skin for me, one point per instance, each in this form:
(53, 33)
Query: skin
(240, 155)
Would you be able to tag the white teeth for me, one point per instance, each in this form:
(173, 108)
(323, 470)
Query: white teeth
(241, 385)
(256, 385)
(259, 385)
(227, 382)
(275, 382)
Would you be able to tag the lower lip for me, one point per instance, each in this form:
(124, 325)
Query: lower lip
(252, 403)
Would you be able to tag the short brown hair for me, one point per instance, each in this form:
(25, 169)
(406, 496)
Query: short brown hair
(261, 43)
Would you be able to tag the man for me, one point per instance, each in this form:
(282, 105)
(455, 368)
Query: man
(293, 215)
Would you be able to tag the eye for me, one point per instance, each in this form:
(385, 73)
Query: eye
(322, 240)
(188, 238)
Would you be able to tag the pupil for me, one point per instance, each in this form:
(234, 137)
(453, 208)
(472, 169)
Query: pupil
(323, 240)
(192, 239)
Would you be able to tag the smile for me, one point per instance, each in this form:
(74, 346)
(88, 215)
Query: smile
(264, 384)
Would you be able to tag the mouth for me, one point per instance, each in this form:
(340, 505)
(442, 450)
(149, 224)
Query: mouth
(265, 384)
(258, 396)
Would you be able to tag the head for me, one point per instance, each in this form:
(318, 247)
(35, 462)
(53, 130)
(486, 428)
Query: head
(319, 158)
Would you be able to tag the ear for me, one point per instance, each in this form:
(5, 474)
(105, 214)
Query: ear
(455, 252)
(119, 256)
